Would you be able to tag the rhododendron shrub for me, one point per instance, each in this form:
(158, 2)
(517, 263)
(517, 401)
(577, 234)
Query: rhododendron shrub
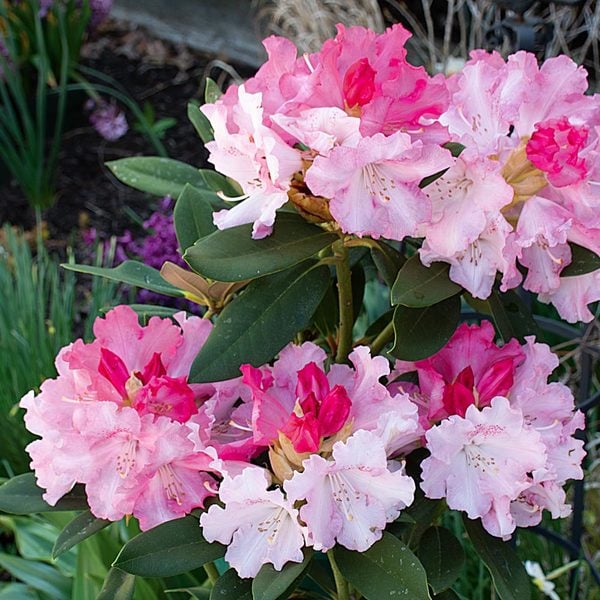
(300, 431)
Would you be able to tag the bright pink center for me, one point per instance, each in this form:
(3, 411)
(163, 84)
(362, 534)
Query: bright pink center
(319, 412)
(463, 391)
(359, 83)
(554, 148)
(158, 394)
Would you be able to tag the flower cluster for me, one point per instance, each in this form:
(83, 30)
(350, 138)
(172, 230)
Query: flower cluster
(348, 135)
(301, 454)
(500, 436)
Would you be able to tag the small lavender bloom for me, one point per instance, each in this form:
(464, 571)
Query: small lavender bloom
(109, 122)
(45, 6)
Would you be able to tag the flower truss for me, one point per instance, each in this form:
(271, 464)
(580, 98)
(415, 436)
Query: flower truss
(349, 133)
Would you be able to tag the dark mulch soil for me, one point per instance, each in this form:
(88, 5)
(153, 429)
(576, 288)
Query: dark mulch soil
(151, 70)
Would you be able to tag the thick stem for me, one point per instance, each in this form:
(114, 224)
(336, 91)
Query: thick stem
(344, 285)
(340, 583)
(385, 336)
(212, 572)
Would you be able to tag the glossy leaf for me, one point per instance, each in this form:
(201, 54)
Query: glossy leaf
(388, 261)
(270, 584)
(171, 548)
(133, 273)
(421, 332)
(118, 585)
(231, 587)
(192, 216)
(80, 528)
(418, 286)
(156, 175)
(200, 122)
(21, 496)
(326, 316)
(232, 254)
(200, 593)
(511, 315)
(388, 569)
(508, 573)
(443, 557)
(582, 261)
(257, 324)
(17, 591)
(145, 311)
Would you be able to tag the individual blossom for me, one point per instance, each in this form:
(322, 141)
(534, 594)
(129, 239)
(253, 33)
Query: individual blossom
(351, 497)
(259, 525)
(480, 463)
(115, 419)
(540, 580)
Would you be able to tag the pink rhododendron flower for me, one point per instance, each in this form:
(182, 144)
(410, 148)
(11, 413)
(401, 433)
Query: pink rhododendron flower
(534, 128)
(116, 419)
(472, 372)
(374, 186)
(480, 463)
(350, 498)
(259, 525)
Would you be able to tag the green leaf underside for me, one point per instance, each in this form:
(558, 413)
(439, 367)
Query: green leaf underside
(232, 254)
(169, 549)
(582, 261)
(21, 496)
(231, 587)
(418, 286)
(442, 556)
(508, 574)
(255, 326)
(192, 216)
(388, 569)
(79, 529)
(421, 332)
(118, 585)
(270, 584)
(131, 272)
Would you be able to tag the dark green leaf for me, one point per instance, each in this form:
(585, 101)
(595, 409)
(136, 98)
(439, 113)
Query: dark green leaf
(156, 175)
(200, 593)
(219, 183)
(38, 575)
(80, 528)
(231, 587)
(118, 585)
(255, 326)
(421, 332)
(447, 595)
(454, 147)
(232, 254)
(429, 180)
(327, 314)
(212, 92)
(443, 557)
(192, 216)
(582, 261)
(388, 261)
(200, 122)
(418, 286)
(172, 548)
(133, 273)
(21, 496)
(270, 584)
(388, 569)
(511, 315)
(508, 574)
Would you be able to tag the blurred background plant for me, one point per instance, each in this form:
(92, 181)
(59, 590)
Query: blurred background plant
(42, 81)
